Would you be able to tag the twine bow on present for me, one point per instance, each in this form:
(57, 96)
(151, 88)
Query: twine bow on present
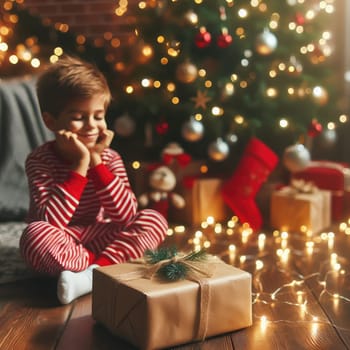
(193, 266)
(170, 266)
(302, 186)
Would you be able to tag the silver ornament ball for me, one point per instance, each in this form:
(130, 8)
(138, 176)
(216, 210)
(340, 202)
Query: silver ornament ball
(124, 125)
(320, 95)
(329, 138)
(192, 130)
(296, 157)
(218, 150)
(266, 43)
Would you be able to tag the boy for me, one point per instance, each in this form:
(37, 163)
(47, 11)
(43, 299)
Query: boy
(83, 213)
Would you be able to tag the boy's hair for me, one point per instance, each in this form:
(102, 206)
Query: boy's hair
(68, 79)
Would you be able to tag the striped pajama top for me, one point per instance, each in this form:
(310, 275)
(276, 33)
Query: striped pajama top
(63, 197)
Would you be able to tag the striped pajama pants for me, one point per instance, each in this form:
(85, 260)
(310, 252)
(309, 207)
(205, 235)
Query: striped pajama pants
(50, 250)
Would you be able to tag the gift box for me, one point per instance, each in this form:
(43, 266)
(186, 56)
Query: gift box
(331, 176)
(203, 198)
(291, 209)
(155, 314)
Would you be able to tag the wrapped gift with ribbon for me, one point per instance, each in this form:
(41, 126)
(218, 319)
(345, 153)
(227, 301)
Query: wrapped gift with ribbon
(331, 176)
(169, 299)
(203, 197)
(301, 204)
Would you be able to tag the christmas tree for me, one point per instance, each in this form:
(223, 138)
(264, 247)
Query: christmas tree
(206, 74)
(212, 74)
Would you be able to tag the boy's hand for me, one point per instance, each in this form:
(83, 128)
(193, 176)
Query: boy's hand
(73, 150)
(103, 142)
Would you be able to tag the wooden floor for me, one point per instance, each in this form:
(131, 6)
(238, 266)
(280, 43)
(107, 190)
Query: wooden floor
(301, 300)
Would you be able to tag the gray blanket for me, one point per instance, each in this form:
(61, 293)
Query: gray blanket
(21, 130)
(12, 266)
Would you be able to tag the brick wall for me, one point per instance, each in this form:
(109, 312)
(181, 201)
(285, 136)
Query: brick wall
(92, 18)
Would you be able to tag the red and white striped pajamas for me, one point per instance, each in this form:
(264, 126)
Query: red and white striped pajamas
(75, 221)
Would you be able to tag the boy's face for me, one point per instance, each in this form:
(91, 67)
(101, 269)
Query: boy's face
(84, 117)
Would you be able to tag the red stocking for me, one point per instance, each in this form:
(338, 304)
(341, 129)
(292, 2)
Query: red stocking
(240, 190)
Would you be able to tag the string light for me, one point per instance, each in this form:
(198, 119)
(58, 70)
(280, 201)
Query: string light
(293, 293)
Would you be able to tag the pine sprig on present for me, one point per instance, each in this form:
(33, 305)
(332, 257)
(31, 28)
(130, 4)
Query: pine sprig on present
(173, 270)
(197, 255)
(155, 256)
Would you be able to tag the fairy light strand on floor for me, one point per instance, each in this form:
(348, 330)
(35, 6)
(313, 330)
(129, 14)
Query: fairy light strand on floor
(287, 254)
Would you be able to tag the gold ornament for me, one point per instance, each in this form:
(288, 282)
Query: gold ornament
(186, 72)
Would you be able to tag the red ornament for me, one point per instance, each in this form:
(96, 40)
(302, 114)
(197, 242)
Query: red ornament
(299, 19)
(162, 128)
(224, 40)
(315, 128)
(203, 38)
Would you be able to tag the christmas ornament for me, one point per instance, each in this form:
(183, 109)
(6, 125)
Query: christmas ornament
(299, 19)
(192, 130)
(162, 128)
(186, 72)
(203, 38)
(328, 138)
(124, 126)
(201, 99)
(224, 39)
(218, 150)
(239, 192)
(191, 17)
(266, 43)
(296, 157)
(315, 128)
(320, 95)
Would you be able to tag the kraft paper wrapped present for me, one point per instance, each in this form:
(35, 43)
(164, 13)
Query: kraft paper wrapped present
(331, 176)
(155, 314)
(203, 199)
(291, 209)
